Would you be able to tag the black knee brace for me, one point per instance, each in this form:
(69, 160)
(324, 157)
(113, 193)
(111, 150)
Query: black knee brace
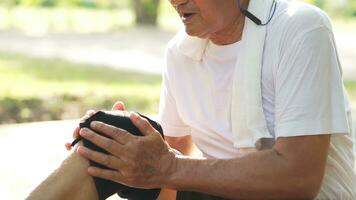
(106, 188)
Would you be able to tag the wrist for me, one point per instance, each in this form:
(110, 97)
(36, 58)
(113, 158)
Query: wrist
(171, 163)
(184, 171)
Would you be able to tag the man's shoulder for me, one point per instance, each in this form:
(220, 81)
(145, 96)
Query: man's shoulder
(299, 16)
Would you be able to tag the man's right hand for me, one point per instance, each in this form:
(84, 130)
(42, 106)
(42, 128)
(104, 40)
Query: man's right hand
(117, 106)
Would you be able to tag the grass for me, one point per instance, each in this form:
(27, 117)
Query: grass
(36, 89)
(50, 89)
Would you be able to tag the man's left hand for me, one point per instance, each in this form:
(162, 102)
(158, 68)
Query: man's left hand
(136, 161)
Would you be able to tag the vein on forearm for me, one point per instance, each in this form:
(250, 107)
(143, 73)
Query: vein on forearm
(260, 175)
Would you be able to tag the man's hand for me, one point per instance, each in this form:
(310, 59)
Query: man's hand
(117, 106)
(137, 161)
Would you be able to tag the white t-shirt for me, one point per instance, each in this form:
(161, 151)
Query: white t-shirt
(302, 93)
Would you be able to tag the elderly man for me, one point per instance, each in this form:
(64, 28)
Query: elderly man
(256, 86)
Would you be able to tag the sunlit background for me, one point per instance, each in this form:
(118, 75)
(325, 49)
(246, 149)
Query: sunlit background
(59, 58)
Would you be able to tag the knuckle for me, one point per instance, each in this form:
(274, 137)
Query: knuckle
(89, 154)
(143, 124)
(91, 134)
(140, 144)
(116, 132)
(145, 121)
(99, 172)
(127, 136)
(107, 160)
(109, 144)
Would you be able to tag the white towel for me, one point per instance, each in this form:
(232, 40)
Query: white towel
(247, 118)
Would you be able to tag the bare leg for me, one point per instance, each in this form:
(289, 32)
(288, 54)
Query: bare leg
(70, 181)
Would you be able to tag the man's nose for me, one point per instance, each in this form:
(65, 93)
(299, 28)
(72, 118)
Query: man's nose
(178, 2)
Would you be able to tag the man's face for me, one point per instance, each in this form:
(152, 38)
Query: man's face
(202, 18)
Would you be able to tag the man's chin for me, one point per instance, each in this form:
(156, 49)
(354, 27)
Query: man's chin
(195, 33)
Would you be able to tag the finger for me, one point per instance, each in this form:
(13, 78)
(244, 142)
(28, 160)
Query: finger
(101, 158)
(76, 132)
(119, 135)
(119, 105)
(87, 115)
(107, 174)
(68, 146)
(90, 112)
(107, 144)
(142, 124)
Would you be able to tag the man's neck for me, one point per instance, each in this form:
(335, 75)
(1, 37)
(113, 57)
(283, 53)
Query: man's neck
(230, 35)
(233, 32)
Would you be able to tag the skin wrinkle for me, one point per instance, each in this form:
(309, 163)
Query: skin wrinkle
(223, 30)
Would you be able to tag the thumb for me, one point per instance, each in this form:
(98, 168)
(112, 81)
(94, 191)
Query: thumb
(142, 124)
(119, 105)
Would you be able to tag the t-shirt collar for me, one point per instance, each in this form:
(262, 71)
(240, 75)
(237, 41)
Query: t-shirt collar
(195, 48)
(222, 52)
(192, 47)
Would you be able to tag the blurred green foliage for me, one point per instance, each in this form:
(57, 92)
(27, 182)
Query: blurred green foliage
(340, 7)
(36, 21)
(51, 89)
(74, 3)
(146, 11)
(336, 8)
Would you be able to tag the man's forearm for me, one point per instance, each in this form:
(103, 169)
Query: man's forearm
(69, 181)
(260, 175)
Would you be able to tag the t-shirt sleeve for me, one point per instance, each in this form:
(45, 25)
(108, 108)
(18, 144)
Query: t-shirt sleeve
(169, 118)
(309, 92)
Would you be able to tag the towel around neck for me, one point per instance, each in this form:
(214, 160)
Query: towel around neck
(247, 118)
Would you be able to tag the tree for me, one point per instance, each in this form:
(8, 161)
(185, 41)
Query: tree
(146, 11)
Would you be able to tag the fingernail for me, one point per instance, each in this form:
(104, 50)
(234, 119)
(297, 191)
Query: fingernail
(134, 115)
(94, 124)
(84, 132)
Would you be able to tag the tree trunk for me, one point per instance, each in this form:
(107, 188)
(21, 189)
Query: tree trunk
(146, 11)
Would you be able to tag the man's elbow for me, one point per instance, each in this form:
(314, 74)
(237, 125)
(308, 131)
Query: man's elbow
(301, 181)
(305, 186)
(313, 186)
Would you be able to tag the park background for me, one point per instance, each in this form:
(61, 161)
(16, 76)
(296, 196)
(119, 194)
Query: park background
(59, 58)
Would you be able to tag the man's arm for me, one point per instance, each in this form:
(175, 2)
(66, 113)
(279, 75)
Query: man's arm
(293, 169)
(70, 181)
